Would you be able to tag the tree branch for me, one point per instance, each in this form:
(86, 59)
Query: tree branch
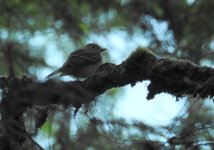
(175, 77)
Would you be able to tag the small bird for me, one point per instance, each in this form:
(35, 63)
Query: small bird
(82, 63)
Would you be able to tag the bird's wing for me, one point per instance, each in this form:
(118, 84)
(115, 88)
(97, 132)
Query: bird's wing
(82, 57)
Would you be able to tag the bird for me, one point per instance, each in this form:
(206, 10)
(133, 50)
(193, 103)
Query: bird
(82, 63)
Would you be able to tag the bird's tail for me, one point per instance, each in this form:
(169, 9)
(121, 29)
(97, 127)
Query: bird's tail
(53, 73)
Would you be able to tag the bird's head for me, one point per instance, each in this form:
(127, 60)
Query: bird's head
(93, 46)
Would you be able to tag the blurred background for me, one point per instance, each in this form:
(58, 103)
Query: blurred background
(36, 37)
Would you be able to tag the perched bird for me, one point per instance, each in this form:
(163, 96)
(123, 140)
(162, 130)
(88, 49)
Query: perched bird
(83, 62)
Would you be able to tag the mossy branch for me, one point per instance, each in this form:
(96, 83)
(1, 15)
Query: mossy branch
(175, 77)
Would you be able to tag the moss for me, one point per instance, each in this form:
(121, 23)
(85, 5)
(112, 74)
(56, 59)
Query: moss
(145, 51)
(141, 54)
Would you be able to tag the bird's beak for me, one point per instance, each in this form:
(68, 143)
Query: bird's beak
(103, 49)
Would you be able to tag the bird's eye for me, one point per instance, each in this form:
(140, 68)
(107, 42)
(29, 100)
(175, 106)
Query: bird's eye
(93, 46)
